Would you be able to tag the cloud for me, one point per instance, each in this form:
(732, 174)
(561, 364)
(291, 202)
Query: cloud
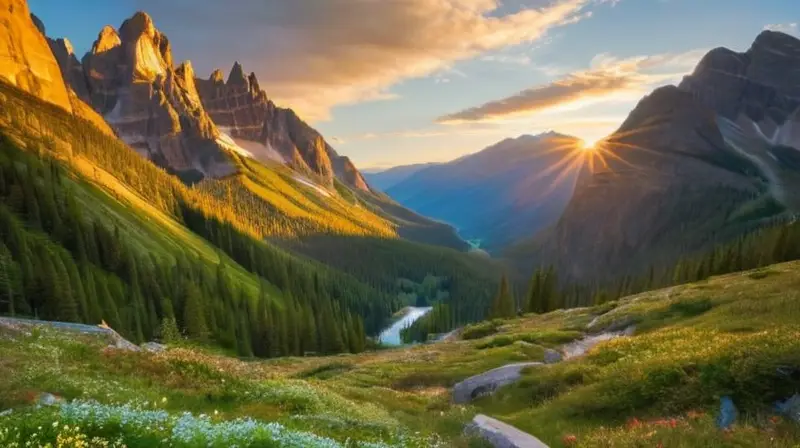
(608, 78)
(788, 28)
(313, 55)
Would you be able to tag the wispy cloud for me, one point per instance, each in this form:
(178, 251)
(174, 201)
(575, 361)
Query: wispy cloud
(788, 28)
(608, 78)
(313, 55)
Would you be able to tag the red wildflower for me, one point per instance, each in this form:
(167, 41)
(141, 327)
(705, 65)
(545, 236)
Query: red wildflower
(634, 423)
(569, 440)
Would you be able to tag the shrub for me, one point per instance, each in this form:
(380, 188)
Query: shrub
(480, 330)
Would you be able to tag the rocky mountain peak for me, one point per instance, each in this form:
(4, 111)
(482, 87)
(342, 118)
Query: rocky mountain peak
(107, 39)
(776, 41)
(66, 45)
(253, 82)
(217, 77)
(27, 61)
(237, 78)
(39, 24)
(140, 24)
(153, 105)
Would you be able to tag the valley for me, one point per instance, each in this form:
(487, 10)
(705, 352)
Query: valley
(187, 260)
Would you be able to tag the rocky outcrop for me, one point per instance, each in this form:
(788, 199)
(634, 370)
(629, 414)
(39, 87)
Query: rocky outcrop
(27, 61)
(502, 435)
(488, 382)
(153, 105)
(242, 109)
(71, 68)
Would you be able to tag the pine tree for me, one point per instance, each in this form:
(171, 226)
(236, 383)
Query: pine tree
(194, 318)
(503, 305)
(10, 280)
(168, 331)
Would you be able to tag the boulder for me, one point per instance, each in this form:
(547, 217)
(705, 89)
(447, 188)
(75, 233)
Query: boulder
(552, 356)
(154, 347)
(47, 399)
(502, 435)
(488, 382)
(790, 407)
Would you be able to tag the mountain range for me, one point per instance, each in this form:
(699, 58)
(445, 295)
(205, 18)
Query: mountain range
(129, 84)
(693, 165)
(383, 179)
(501, 194)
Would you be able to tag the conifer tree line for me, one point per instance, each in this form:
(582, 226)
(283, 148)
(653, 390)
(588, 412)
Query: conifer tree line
(776, 243)
(55, 264)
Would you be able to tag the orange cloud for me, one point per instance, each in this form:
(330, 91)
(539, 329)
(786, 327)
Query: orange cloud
(313, 55)
(608, 78)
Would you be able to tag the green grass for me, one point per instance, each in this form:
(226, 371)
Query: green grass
(734, 336)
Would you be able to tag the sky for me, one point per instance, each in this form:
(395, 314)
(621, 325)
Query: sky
(394, 82)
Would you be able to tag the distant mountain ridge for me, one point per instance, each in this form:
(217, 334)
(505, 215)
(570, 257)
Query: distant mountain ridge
(691, 166)
(387, 178)
(499, 195)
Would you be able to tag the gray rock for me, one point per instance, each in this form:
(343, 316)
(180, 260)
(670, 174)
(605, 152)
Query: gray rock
(154, 347)
(581, 346)
(552, 356)
(6, 412)
(502, 435)
(727, 413)
(47, 399)
(488, 382)
(121, 343)
(790, 407)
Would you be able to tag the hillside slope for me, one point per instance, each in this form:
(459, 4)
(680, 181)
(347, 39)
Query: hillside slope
(734, 336)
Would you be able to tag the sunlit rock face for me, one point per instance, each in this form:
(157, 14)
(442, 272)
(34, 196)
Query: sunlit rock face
(685, 158)
(240, 107)
(27, 61)
(153, 105)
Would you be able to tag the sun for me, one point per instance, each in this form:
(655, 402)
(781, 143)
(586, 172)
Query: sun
(588, 145)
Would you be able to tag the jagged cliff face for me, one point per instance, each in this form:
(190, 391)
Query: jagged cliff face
(686, 160)
(32, 62)
(27, 61)
(163, 111)
(240, 108)
(154, 106)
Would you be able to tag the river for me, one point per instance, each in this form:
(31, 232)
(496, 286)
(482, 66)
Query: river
(391, 335)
